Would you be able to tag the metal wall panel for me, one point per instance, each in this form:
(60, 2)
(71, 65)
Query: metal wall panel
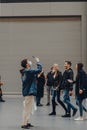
(52, 39)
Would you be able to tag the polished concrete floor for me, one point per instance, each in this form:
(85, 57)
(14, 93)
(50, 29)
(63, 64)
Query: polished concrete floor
(11, 117)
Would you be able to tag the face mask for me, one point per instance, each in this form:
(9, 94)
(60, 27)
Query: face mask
(30, 63)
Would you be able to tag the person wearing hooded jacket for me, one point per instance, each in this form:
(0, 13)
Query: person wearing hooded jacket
(29, 84)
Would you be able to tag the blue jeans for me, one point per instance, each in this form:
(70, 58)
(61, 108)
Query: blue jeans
(81, 107)
(66, 99)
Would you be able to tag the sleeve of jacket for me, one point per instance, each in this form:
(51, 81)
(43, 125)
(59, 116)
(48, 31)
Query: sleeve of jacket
(71, 78)
(60, 80)
(57, 80)
(38, 70)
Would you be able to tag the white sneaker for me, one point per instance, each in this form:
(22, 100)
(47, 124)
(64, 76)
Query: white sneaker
(79, 119)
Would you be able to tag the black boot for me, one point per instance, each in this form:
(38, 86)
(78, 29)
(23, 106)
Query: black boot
(53, 108)
(1, 99)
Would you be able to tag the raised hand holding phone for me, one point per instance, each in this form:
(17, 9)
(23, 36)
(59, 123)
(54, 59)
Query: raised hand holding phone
(36, 58)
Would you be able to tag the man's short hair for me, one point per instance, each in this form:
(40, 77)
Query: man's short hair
(23, 63)
(69, 63)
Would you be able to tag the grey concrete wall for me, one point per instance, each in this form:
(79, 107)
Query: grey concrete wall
(43, 9)
(12, 81)
(52, 39)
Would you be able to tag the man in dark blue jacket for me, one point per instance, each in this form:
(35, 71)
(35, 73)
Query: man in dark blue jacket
(68, 87)
(29, 90)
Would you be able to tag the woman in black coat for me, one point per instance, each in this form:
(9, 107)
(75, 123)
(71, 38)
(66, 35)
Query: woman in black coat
(56, 89)
(40, 87)
(80, 89)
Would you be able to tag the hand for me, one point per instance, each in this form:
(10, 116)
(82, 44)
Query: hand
(37, 59)
(80, 91)
(70, 93)
(61, 91)
(1, 83)
(70, 81)
(57, 88)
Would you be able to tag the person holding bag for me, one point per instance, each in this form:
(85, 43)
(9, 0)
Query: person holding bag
(29, 85)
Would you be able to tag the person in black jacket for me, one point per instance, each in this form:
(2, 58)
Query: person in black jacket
(56, 88)
(67, 88)
(80, 89)
(1, 98)
(40, 87)
(49, 83)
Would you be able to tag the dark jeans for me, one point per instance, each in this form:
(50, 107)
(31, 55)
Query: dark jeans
(66, 98)
(81, 107)
(56, 94)
(0, 92)
(38, 99)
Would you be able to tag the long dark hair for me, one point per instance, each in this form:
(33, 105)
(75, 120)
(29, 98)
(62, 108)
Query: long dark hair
(79, 67)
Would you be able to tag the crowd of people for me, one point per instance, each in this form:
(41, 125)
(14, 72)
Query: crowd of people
(34, 80)
(57, 83)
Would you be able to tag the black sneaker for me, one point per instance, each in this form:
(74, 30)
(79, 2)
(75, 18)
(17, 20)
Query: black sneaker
(74, 112)
(66, 115)
(56, 103)
(25, 127)
(40, 105)
(52, 113)
(30, 125)
(1, 100)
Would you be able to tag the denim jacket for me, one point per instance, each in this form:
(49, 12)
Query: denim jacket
(29, 79)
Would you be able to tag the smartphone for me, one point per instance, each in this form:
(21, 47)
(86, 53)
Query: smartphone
(33, 56)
